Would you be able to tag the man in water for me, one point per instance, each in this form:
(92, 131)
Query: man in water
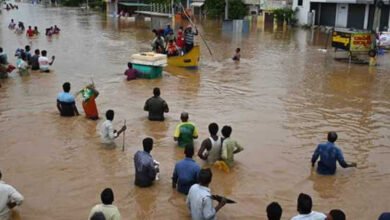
(199, 200)
(229, 146)
(44, 62)
(384, 216)
(304, 209)
(66, 103)
(34, 60)
(210, 149)
(12, 24)
(185, 132)
(109, 210)
(274, 211)
(145, 166)
(30, 32)
(329, 153)
(131, 73)
(3, 57)
(27, 49)
(156, 106)
(5, 67)
(107, 132)
(9, 198)
(98, 216)
(336, 214)
(186, 172)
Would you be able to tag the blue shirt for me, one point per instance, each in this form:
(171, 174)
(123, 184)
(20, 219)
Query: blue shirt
(185, 174)
(329, 153)
(167, 31)
(145, 171)
(65, 97)
(67, 103)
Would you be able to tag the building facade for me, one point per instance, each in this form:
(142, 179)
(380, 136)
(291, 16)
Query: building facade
(358, 14)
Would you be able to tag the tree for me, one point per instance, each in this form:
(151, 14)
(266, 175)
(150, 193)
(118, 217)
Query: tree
(214, 8)
(237, 9)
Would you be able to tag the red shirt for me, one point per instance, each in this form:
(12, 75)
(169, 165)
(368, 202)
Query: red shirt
(30, 32)
(180, 40)
(131, 74)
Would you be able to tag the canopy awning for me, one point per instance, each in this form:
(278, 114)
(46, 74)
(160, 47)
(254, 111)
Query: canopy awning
(197, 4)
(134, 4)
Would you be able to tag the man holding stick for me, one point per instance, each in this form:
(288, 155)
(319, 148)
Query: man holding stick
(108, 134)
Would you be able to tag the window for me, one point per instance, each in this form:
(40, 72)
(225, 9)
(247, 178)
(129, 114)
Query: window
(300, 2)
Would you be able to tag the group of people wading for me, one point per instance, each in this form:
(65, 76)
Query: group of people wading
(188, 177)
(166, 42)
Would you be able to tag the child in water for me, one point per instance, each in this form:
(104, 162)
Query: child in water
(36, 32)
(237, 56)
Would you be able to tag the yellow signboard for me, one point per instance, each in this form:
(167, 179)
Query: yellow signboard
(341, 40)
(360, 42)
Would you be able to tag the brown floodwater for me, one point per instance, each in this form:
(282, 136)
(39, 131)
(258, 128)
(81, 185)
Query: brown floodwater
(281, 100)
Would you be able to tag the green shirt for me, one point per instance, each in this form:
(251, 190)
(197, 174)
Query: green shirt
(229, 148)
(185, 132)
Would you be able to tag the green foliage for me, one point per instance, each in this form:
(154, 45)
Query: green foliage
(71, 3)
(279, 14)
(93, 4)
(98, 4)
(237, 9)
(285, 14)
(215, 8)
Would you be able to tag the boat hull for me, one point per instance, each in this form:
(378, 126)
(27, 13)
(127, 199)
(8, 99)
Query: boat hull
(190, 59)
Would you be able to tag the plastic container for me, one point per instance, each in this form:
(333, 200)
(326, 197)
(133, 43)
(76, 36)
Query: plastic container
(148, 72)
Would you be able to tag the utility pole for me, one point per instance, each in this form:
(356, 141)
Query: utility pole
(226, 9)
(377, 15)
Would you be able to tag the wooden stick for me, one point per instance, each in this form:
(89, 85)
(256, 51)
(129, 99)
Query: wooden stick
(124, 133)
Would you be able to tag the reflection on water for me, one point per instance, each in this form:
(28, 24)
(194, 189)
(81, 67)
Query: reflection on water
(281, 100)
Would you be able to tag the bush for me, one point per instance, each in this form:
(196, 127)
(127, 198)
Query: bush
(237, 9)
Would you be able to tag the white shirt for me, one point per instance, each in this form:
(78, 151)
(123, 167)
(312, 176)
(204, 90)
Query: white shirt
(8, 194)
(43, 63)
(107, 132)
(200, 203)
(312, 216)
(111, 212)
(215, 152)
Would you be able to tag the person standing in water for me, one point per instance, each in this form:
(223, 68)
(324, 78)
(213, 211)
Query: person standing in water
(89, 94)
(9, 198)
(210, 150)
(156, 106)
(44, 62)
(66, 103)
(329, 154)
(107, 132)
(237, 55)
(185, 132)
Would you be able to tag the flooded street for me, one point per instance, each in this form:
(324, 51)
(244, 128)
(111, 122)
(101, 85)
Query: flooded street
(281, 100)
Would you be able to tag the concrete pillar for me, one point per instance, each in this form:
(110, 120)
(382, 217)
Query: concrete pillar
(366, 13)
(388, 24)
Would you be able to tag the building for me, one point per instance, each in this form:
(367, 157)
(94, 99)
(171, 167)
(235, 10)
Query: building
(357, 14)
